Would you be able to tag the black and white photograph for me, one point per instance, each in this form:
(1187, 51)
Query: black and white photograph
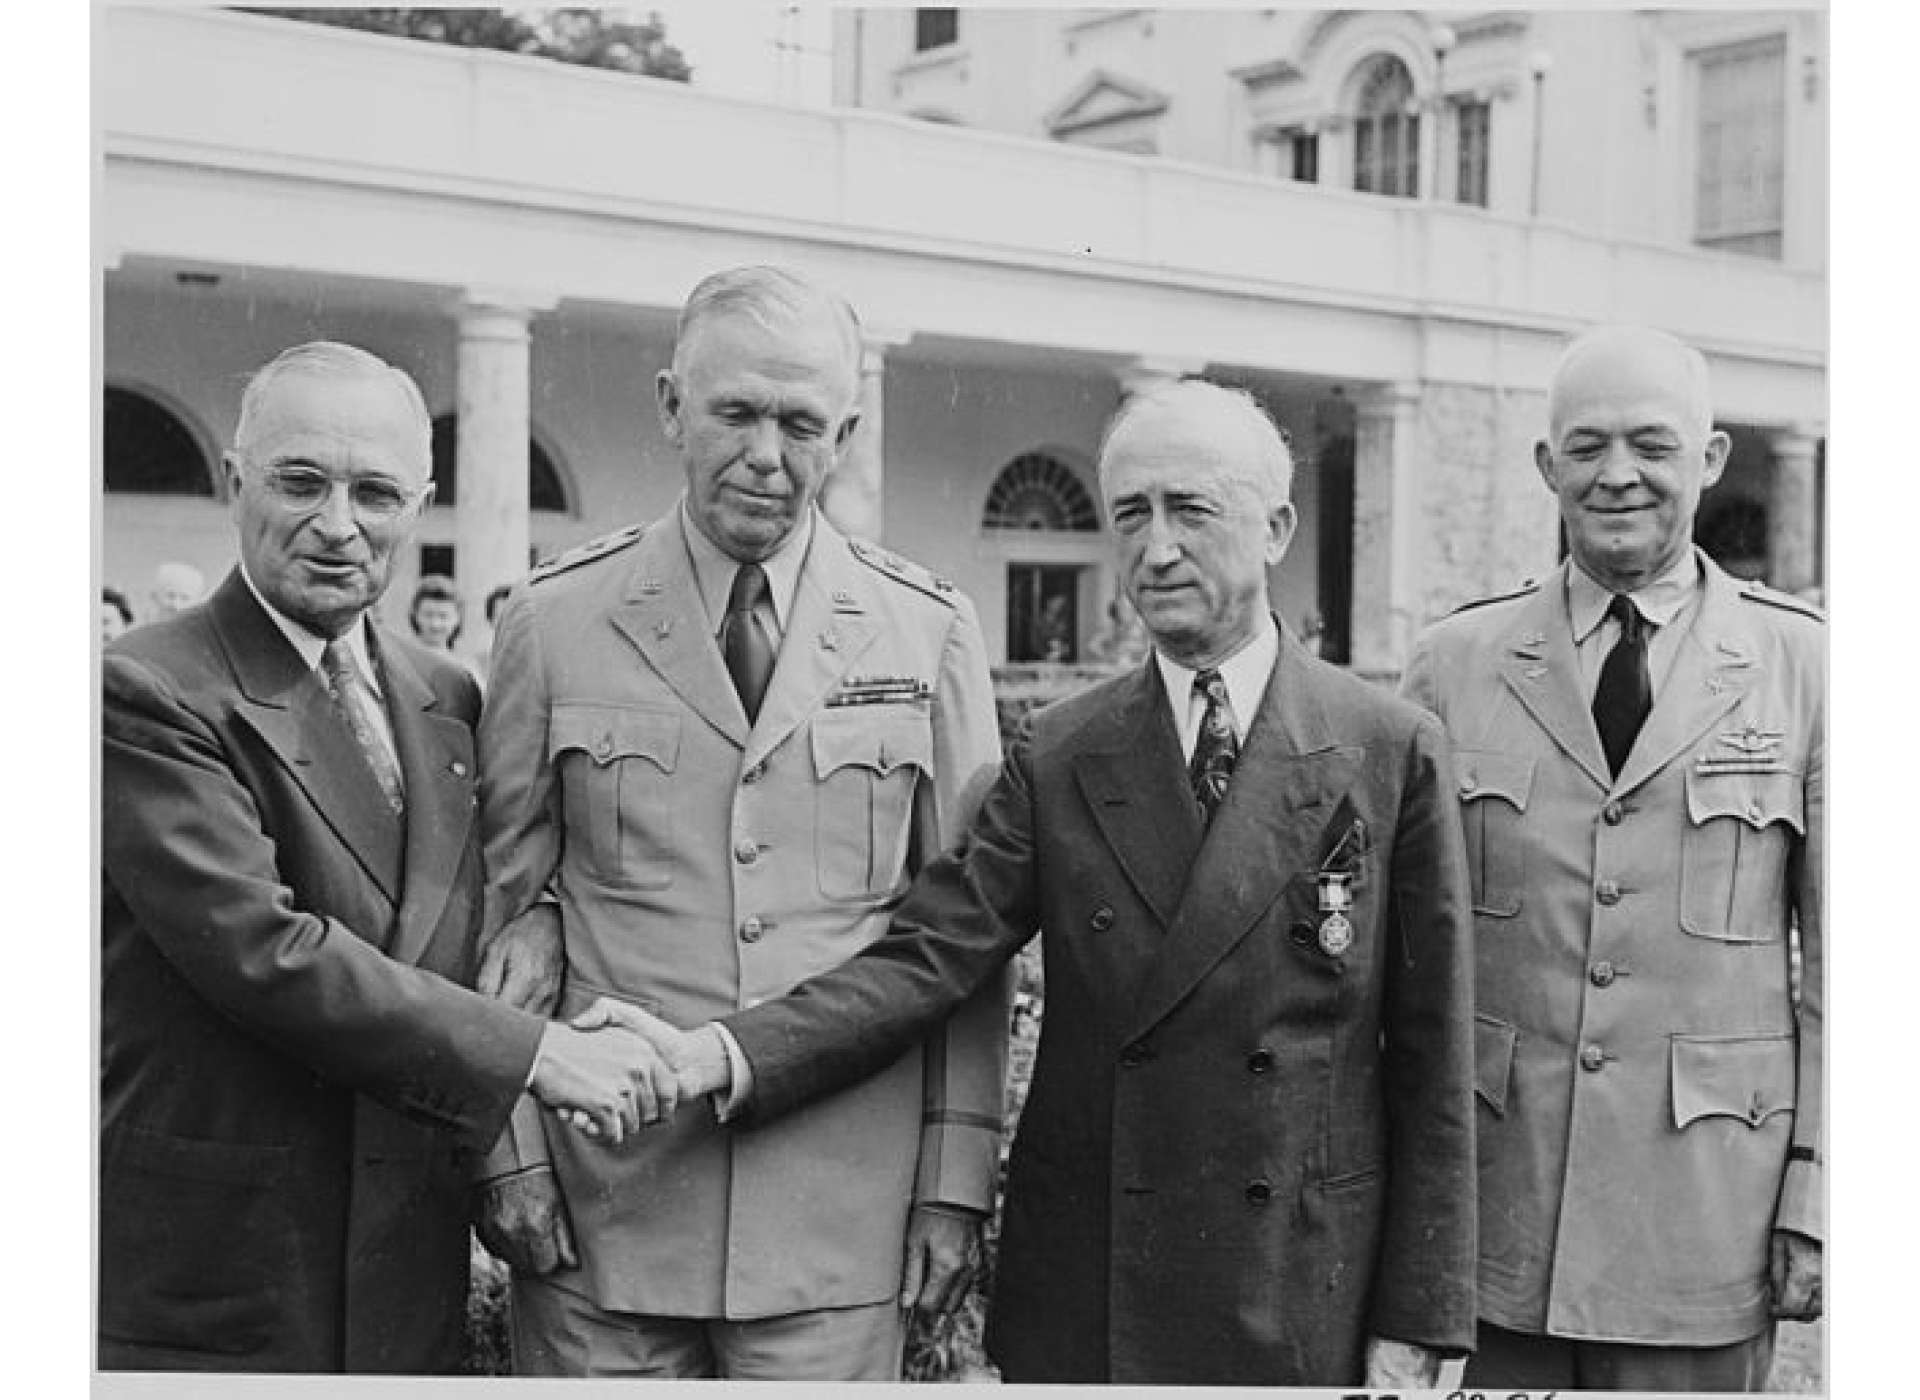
(816, 693)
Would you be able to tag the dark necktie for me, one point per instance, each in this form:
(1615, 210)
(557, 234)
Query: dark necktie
(744, 642)
(1625, 692)
(358, 705)
(1215, 749)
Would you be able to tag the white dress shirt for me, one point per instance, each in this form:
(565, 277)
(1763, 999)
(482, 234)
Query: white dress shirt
(1667, 604)
(1246, 673)
(311, 645)
(714, 572)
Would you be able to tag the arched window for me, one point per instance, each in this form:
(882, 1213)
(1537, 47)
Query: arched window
(1036, 491)
(1386, 131)
(545, 490)
(148, 450)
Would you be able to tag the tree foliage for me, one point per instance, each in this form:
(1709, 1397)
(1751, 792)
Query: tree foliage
(570, 34)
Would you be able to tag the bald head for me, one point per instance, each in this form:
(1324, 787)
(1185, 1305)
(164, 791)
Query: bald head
(1630, 447)
(337, 361)
(1609, 356)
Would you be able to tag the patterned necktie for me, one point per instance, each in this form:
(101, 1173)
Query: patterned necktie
(744, 642)
(1625, 692)
(359, 706)
(1215, 749)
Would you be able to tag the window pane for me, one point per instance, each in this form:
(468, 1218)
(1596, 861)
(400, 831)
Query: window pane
(932, 28)
(144, 448)
(1475, 128)
(1740, 147)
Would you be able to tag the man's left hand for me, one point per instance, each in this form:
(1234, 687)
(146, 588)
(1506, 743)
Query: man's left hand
(1395, 1365)
(943, 1253)
(1797, 1270)
(524, 962)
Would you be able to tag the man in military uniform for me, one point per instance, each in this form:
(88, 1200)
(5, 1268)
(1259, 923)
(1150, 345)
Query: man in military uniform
(718, 747)
(1640, 750)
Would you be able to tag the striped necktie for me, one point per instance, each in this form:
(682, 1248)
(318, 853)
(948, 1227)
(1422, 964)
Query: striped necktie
(359, 706)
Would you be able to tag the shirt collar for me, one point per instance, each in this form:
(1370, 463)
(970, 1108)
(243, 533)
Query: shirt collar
(713, 569)
(1660, 601)
(311, 644)
(1246, 673)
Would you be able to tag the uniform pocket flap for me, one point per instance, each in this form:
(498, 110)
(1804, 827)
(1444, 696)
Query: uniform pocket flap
(850, 739)
(1503, 775)
(1754, 798)
(1493, 1043)
(609, 733)
(1750, 1078)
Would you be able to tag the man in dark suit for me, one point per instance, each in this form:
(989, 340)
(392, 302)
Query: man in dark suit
(1247, 1155)
(288, 901)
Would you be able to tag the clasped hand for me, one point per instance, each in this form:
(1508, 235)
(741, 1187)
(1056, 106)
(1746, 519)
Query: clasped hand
(678, 1067)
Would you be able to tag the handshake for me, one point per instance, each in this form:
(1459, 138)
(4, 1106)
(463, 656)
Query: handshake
(614, 1068)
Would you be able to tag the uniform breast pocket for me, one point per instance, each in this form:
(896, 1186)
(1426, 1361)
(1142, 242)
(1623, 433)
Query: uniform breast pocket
(1494, 788)
(1733, 855)
(615, 766)
(866, 767)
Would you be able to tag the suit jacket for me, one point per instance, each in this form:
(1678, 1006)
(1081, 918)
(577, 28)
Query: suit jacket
(702, 864)
(287, 1064)
(1246, 1147)
(1650, 1097)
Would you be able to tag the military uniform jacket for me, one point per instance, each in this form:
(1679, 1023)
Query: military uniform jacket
(702, 865)
(1248, 1142)
(292, 1084)
(1650, 1095)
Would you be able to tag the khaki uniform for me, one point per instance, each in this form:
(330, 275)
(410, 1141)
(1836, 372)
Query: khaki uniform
(1650, 1093)
(702, 865)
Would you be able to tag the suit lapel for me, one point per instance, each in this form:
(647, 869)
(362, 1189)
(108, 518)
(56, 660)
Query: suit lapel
(830, 627)
(1136, 787)
(663, 617)
(1542, 670)
(1265, 833)
(1704, 683)
(436, 762)
(289, 708)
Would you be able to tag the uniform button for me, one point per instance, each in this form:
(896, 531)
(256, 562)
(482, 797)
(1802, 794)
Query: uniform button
(751, 928)
(605, 747)
(1612, 814)
(1592, 1057)
(1469, 781)
(746, 852)
(1260, 1191)
(1601, 974)
(1260, 1061)
(1608, 893)
(1102, 919)
(1755, 810)
(754, 774)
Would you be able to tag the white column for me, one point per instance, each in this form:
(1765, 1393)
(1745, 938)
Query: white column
(493, 363)
(1386, 514)
(1793, 509)
(854, 495)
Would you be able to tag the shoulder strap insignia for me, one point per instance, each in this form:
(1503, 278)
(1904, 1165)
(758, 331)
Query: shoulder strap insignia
(588, 552)
(1530, 586)
(904, 570)
(1787, 602)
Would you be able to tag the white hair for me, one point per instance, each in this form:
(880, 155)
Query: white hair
(1268, 464)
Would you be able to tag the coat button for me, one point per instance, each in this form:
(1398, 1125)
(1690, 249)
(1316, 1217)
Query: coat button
(1612, 814)
(1592, 1057)
(751, 928)
(746, 852)
(1608, 893)
(1301, 934)
(1259, 1191)
(1135, 1056)
(1101, 920)
(1601, 974)
(1260, 1061)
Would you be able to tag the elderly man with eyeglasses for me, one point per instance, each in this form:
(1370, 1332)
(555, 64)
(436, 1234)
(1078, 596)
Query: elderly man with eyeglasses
(292, 1068)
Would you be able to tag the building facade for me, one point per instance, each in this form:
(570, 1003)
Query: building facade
(1382, 223)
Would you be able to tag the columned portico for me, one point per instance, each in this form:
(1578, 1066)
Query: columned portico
(1386, 513)
(493, 365)
(1793, 513)
(854, 496)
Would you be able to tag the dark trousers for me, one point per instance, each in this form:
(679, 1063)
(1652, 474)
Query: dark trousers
(1504, 1360)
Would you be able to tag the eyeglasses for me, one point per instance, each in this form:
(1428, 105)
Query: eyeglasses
(373, 499)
